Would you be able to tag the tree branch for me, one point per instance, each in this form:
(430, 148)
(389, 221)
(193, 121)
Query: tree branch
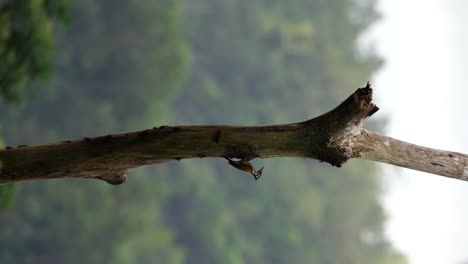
(333, 137)
(393, 151)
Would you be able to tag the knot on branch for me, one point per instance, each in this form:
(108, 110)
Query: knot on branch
(332, 136)
(114, 178)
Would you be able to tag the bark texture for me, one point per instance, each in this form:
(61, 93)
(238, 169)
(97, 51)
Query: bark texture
(333, 137)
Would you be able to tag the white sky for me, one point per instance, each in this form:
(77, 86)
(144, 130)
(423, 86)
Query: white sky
(423, 88)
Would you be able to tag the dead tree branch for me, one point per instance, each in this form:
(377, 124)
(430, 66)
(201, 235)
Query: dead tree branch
(333, 137)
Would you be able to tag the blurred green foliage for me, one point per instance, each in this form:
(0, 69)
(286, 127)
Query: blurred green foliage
(7, 192)
(26, 42)
(121, 66)
(117, 65)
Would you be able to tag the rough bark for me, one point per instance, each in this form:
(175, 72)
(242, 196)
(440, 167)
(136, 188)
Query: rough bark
(333, 137)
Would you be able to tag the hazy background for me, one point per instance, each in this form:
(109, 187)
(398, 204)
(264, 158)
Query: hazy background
(422, 88)
(85, 68)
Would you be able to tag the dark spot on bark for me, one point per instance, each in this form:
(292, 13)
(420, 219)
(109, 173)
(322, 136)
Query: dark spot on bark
(217, 136)
(8, 147)
(336, 156)
(201, 155)
(178, 158)
(22, 146)
(450, 155)
(155, 127)
(66, 141)
(437, 164)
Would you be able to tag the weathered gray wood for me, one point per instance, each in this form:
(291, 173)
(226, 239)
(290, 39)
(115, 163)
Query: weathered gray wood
(393, 151)
(109, 157)
(333, 137)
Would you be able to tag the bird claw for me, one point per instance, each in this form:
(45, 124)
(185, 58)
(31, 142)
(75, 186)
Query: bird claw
(257, 174)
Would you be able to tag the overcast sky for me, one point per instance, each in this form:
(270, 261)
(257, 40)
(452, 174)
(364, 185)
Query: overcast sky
(423, 88)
